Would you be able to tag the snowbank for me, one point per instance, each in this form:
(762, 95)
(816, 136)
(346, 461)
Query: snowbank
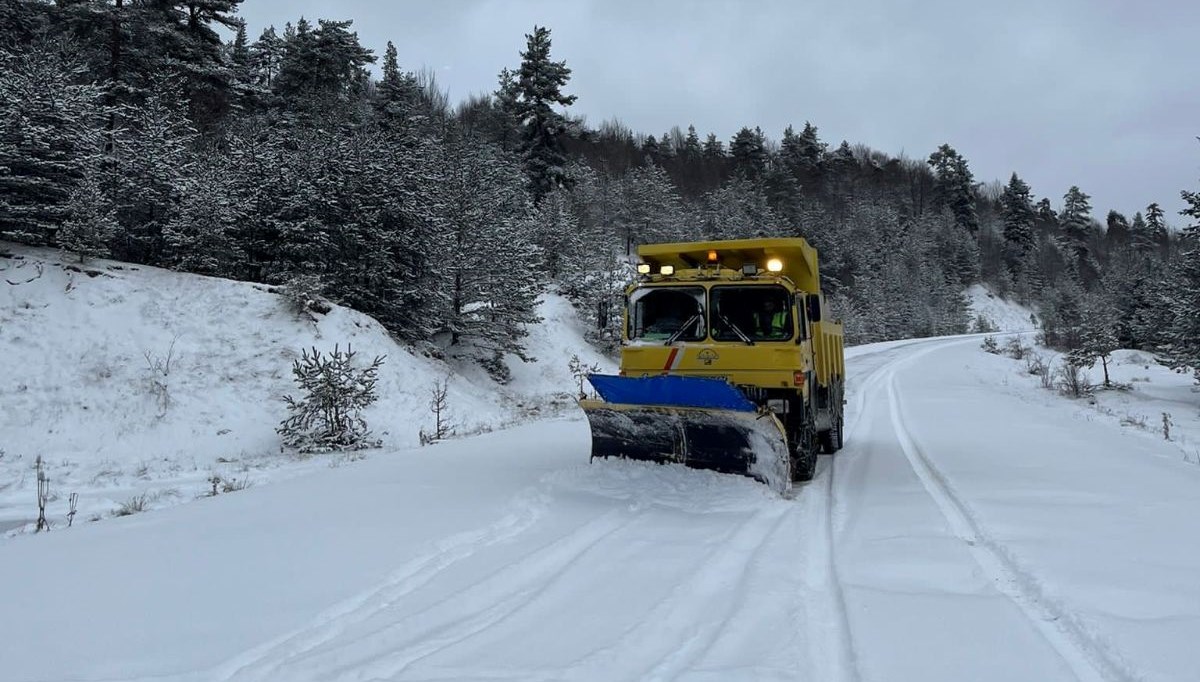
(83, 347)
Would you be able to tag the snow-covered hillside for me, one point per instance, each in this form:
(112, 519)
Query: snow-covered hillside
(79, 347)
(1001, 314)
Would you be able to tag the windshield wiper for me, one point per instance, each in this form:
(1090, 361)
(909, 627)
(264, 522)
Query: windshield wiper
(741, 334)
(679, 332)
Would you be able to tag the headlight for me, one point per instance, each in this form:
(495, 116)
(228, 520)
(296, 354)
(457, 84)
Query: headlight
(775, 265)
(667, 270)
(643, 268)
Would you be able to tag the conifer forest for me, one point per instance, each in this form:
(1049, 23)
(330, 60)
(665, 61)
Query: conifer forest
(161, 133)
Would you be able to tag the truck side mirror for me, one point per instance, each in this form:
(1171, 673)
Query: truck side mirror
(813, 307)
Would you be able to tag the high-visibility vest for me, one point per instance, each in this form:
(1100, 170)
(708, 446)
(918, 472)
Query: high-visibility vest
(778, 322)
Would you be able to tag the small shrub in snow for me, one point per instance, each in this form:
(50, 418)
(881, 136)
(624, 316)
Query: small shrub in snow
(438, 403)
(1135, 420)
(43, 496)
(329, 414)
(496, 368)
(1071, 380)
(989, 345)
(158, 372)
(1035, 364)
(1015, 349)
(983, 325)
(73, 506)
(303, 295)
(134, 505)
(579, 370)
(1166, 425)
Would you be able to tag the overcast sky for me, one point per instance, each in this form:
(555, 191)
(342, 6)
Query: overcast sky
(1102, 94)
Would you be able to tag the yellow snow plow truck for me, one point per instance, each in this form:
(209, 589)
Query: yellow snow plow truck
(729, 362)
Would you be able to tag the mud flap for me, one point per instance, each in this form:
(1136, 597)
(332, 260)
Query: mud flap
(701, 423)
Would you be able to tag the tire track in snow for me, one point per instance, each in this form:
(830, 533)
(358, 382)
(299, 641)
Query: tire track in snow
(835, 657)
(262, 662)
(1087, 658)
(681, 622)
(388, 652)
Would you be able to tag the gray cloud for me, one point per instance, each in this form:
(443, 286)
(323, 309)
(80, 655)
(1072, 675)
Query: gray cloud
(1098, 94)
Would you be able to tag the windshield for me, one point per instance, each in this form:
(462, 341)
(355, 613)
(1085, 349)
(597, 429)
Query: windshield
(667, 314)
(755, 313)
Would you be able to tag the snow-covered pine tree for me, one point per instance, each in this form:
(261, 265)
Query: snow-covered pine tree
(739, 209)
(1140, 237)
(198, 237)
(801, 154)
(328, 415)
(646, 207)
(150, 160)
(557, 234)
(493, 271)
(954, 187)
(91, 222)
(539, 86)
(1156, 225)
(749, 153)
(713, 148)
(51, 133)
(691, 146)
(1076, 221)
(1097, 334)
(266, 57)
(397, 93)
(1182, 341)
(1018, 216)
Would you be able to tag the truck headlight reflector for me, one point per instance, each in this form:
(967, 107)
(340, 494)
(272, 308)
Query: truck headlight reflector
(775, 265)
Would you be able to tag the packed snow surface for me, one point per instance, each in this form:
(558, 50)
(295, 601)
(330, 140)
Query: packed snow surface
(974, 527)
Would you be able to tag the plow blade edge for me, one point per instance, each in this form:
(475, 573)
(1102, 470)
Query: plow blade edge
(701, 423)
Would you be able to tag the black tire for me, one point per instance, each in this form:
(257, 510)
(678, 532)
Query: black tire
(804, 459)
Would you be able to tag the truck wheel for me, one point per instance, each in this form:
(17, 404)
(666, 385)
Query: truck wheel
(804, 461)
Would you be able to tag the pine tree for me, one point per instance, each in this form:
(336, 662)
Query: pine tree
(321, 67)
(540, 86)
(1097, 336)
(150, 159)
(647, 208)
(1140, 236)
(91, 223)
(713, 148)
(1076, 221)
(493, 273)
(1156, 226)
(749, 153)
(266, 57)
(691, 146)
(198, 237)
(1018, 215)
(1182, 341)
(1116, 231)
(397, 94)
(954, 187)
(51, 133)
(802, 154)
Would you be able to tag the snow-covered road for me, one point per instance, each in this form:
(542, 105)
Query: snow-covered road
(967, 531)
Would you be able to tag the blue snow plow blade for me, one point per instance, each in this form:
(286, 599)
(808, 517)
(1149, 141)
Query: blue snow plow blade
(671, 391)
